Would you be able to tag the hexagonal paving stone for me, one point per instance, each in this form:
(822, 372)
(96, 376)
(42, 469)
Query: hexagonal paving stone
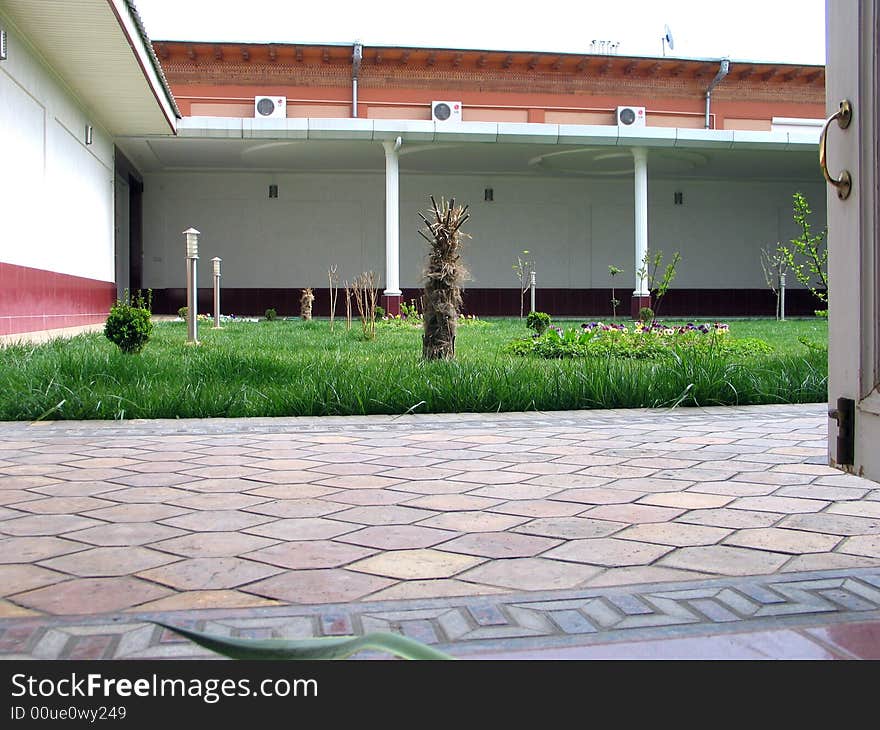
(827, 561)
(369, 497)
(678, 534)
(417, 473)
(569, 528)
(74, 489)
(218, 521)
(138, 512)
(416, 564)
(391, 515)
(438, 588)
(19, 578)
(397, 537)
(530, 574)
(152, 480)
(633, 513)
(88, 475)
(733, 518)
(724, 560)
(784, 505)
(310, 554)
(608, 551)
(141, 495)
(830, 524)
(213, 544)
(32, 549)
(360, 481)
(45, 524)
(288, 476)
(434, 486)
(515, 491)
(539, 508)
(686, 500)
(103, 562)
(91, 595)
(221, 501)
(297, 508)
(196, 600)
(291, 491)
(651, 484)
(642, 574)
(500, 545)
(452, 502)
(559, 482)
(319, 586)
(237, 486)
(210, 573)
(223, 472)
(124, 533)
(866, 545)
(473, 521)
(862, 508)
(598, 495)
(305, 528)
(63, 505)
(783, 541)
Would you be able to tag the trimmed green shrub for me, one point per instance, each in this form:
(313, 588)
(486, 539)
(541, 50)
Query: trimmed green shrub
(646, 314)
(539, 322)
(380, 312)
(182, 312)
(271, 315)
(129, 324)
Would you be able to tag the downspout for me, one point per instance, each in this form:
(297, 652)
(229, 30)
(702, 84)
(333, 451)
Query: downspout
(722, 72)
(356, 59)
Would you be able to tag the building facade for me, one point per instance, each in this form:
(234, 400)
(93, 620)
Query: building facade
(337, 172)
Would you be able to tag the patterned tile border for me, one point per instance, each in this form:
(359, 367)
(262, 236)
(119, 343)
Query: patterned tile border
(482, 624)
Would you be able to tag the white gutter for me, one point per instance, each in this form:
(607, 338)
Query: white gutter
(410, 131)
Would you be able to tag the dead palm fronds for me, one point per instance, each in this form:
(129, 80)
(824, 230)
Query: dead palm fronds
(444, 275)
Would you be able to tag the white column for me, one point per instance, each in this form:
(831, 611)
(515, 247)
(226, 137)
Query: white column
(640, 158)
(392, 219)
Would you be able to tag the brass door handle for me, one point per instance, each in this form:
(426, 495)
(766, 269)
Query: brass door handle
(842, 182)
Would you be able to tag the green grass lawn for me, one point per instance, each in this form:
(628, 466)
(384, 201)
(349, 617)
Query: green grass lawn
(287, 368)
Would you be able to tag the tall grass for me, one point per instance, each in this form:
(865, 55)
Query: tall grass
(289, 368)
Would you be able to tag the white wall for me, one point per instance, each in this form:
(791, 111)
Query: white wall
(573, 228)
(56, 194)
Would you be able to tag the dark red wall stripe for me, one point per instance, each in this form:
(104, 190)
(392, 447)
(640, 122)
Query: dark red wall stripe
(505, 302)
(33, 299)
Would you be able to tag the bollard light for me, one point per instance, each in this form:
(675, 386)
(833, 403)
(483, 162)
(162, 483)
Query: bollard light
(192, 255)
(532, 277)
(192, 243)
(216, 263)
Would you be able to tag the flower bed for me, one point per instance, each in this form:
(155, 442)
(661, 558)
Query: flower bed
(637, 341)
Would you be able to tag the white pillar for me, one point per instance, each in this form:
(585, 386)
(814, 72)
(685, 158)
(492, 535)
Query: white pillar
(392, 219)
(640, 158)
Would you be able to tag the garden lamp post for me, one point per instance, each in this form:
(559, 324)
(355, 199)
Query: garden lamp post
(192, 257)
(782, 297)
(532, 285)
(216, 262)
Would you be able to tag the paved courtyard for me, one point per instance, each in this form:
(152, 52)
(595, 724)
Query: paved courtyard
(148, 516)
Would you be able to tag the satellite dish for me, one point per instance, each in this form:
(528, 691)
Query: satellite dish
(667, 39)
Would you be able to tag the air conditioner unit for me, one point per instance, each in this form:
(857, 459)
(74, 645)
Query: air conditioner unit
(270, 106)
(446, 111)
(630, 116)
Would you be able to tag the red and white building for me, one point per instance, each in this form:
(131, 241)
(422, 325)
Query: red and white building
(112, 145)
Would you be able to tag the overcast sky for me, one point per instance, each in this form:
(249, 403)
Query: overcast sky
(785, 31)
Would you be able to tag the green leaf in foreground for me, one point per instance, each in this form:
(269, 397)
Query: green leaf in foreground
(301, 649)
